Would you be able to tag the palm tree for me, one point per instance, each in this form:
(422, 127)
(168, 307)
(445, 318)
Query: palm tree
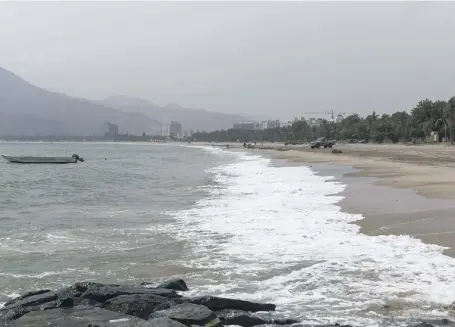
(449, 116)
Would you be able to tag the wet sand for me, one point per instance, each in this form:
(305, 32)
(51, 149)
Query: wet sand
(399, 189)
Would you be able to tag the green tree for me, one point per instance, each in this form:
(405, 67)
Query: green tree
(449, 116)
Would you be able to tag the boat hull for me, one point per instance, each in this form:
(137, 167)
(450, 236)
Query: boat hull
(40, 160)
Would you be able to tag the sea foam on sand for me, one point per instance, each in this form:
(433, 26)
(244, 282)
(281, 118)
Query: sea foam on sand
(275, 234)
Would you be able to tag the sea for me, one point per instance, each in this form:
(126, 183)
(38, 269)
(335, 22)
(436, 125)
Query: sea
(231, 223)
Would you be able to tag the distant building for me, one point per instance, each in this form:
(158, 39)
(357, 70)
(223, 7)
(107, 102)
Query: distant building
(270, 124)
(314, 121)
(165, 130)
(339, 118)
(248, 125)
(112, 129)
(175, 129)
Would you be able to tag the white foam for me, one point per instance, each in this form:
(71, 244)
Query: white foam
(274, 234)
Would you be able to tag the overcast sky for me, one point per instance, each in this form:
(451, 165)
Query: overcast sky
(280, 59)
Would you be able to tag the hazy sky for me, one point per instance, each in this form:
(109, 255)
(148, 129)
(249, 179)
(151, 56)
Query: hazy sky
(280, 59)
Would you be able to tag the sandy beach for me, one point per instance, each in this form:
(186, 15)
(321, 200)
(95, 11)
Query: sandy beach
(399, 189)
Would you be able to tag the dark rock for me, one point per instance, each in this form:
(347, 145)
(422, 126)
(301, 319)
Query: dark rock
(33, 300)
(18, 311)
(60, 303)
(77, 289)
(177, 284)
(219, 303)
(87, 302)
(79, 316)
(336, 151)
(25, 295)
(436, 322)
(189, 314)
(139, 305)
(12, 314)
(164, 322)
(37, 298)
(245, 319)
(106, 292)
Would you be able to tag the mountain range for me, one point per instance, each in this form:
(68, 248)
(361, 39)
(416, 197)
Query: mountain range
(191, 119)
(26, 109)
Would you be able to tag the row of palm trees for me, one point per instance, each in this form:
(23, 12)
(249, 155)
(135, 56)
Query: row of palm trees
(426, 117)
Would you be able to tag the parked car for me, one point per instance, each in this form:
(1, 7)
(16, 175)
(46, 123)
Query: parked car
(322, 141)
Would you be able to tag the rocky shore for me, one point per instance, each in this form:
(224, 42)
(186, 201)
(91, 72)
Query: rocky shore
(90, 304)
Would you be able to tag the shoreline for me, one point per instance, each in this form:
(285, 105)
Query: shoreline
(399, 190)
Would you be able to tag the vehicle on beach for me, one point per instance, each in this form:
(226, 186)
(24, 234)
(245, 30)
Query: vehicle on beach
(44, 160)
(322, 141)
(294, 142)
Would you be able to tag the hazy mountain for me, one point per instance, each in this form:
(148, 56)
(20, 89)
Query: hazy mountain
(27, 110)
(191, 119)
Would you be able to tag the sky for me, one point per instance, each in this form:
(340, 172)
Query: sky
(273, 59)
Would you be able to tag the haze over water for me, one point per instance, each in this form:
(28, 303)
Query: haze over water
(231, 224)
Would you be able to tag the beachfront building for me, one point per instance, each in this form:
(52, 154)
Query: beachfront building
(270, 124)
(314, 121)
(248, 125)
(112, 129)
(172, 129)
(165, 130)
(175, 129)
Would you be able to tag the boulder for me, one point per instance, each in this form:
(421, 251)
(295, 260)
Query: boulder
(138, 305)
(77, 289)
(189, 314)
(60, 303)
(106, 292)
(164, 322)
(78, 316)
(32, 300)
(436, 322)
(245, 319)
(12, 314)
(336, 151)
(177, 284)
(218, 304)
(25, 295)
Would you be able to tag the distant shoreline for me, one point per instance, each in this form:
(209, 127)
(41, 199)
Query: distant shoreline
(126, 138)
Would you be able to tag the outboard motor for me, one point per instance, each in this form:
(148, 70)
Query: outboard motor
(75, 156)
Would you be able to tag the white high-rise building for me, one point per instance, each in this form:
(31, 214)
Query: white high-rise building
(165, 130)
(270, 124)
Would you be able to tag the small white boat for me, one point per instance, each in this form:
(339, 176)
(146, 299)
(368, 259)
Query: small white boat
(44, 160)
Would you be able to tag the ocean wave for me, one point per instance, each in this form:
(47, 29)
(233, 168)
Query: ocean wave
(251, 234)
